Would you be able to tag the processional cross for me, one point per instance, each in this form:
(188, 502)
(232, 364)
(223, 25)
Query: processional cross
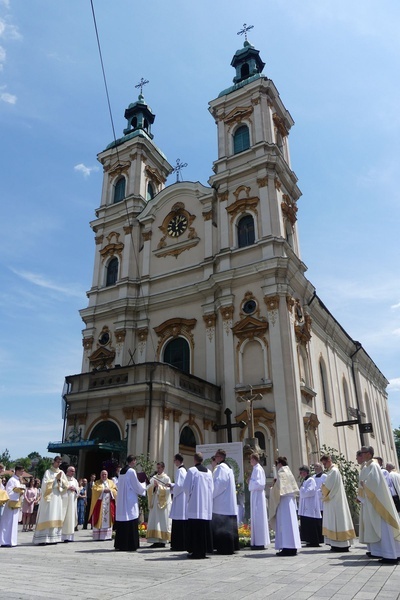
(244, 31)
(141, 85)
(229, 425)
(249, 398)
(178, 168)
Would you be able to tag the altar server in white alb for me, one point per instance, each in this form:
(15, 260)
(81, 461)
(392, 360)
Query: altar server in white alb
(178, 508)
(224, 519)
(319, 477)
(198, 487)
(309, 512)
(282, 510)
(379, 521)
(9, 520)
(127, 510)
(70, 500)
(258, 507)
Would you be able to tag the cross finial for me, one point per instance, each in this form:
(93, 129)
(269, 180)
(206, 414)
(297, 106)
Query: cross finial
(178, 168)
(244, 31)
(141, 84)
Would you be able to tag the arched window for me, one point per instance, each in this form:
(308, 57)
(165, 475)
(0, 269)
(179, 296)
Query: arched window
(112, 272)
(119, 190)
(177, 354)
(187, 438)
(150, 191)
(241, 139)
(324, 387)
(106, 431)
(261, 439)
(245, 230)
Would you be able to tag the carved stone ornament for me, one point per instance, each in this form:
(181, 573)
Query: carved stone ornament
(243, 205)
(290, 301)
(207, 424)
(289, 209)
(210, 321)
(255, 101)
(207, 216)
(173, 328)
(128, 229)
(105, 415)
(277, 183)
(303, 330)
(102, 358)
(128, 412)
(238, 114)
(142, 335)
(176, 251)
(223, 196)
(167, 412)
(154, 175)
(280, 125)
(87, 343)
(249, 328)
(113, 247)
(176, 245)
(272, 302)
(99, 239)
(118, 169)
(310, 421)
(227, 317)
(262, 181)
(146, 235)
(177, 415)
(120, 336)
(242, 190)
(140, 412)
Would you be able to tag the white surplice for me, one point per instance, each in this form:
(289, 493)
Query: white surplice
(258, 508)
(127, 503)
(9, 519)
(178, 508)
(70, 500)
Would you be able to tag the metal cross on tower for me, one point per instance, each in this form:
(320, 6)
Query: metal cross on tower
(178, 168)
(244, 31)
(141, 84)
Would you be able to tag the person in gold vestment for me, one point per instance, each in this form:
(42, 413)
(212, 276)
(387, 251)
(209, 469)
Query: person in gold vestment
(102, 508)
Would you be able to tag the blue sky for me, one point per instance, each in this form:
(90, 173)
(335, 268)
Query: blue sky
(336, 67)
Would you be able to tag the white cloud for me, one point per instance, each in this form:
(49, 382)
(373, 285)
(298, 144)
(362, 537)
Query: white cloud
(8, 98)
(395, 305)
(86, 171)
(41, 281)
(394, 385)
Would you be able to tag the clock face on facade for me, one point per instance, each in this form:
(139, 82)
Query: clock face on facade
(177, 225)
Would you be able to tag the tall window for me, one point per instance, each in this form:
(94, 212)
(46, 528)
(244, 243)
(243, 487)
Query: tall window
(324, 387)
(245, 228)
(150, 191)
(177, 354)
(112, 272)
(241, 139)
(119, 190)
(187, 438)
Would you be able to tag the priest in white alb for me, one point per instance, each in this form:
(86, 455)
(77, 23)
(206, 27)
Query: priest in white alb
(127, 509)
(51, 510)
(379, 521)
(337, 524)
(9, 520)
(159, 497)
(70, 500)
(258, 506)
(282, 510)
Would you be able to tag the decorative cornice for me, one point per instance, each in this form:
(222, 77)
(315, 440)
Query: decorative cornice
(243, 205)
(207, 216)
(278, 184)
(177, 250)
(249, 328)
(279, 124)
(140, 412)
(238, 114)
(242, 188)
(173, 328)
(102, 358)
(118, 169)
(128, 412)
(154, 174)
(167, 412)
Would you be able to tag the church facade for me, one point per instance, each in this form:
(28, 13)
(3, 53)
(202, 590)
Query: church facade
(200, 303)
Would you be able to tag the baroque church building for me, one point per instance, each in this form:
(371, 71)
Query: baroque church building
(199, 300)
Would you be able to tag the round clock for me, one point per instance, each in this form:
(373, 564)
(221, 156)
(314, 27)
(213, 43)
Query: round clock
(104, 338)
(177, 225)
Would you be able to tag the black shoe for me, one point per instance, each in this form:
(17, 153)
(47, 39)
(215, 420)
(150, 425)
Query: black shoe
(389, 561)
(372, 555)
(257, 547)
(287, 552)
(157, 545)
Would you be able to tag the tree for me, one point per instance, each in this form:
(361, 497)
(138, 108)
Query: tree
(24, 462)
(5, 458)
(42, 466)
(396, 435)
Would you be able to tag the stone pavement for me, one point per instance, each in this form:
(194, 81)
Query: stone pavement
(87, 570)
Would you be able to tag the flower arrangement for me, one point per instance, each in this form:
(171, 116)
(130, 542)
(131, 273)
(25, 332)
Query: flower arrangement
(244, 532)
(142, 530)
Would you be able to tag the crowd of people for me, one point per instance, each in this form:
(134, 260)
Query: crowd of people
(197, 513)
